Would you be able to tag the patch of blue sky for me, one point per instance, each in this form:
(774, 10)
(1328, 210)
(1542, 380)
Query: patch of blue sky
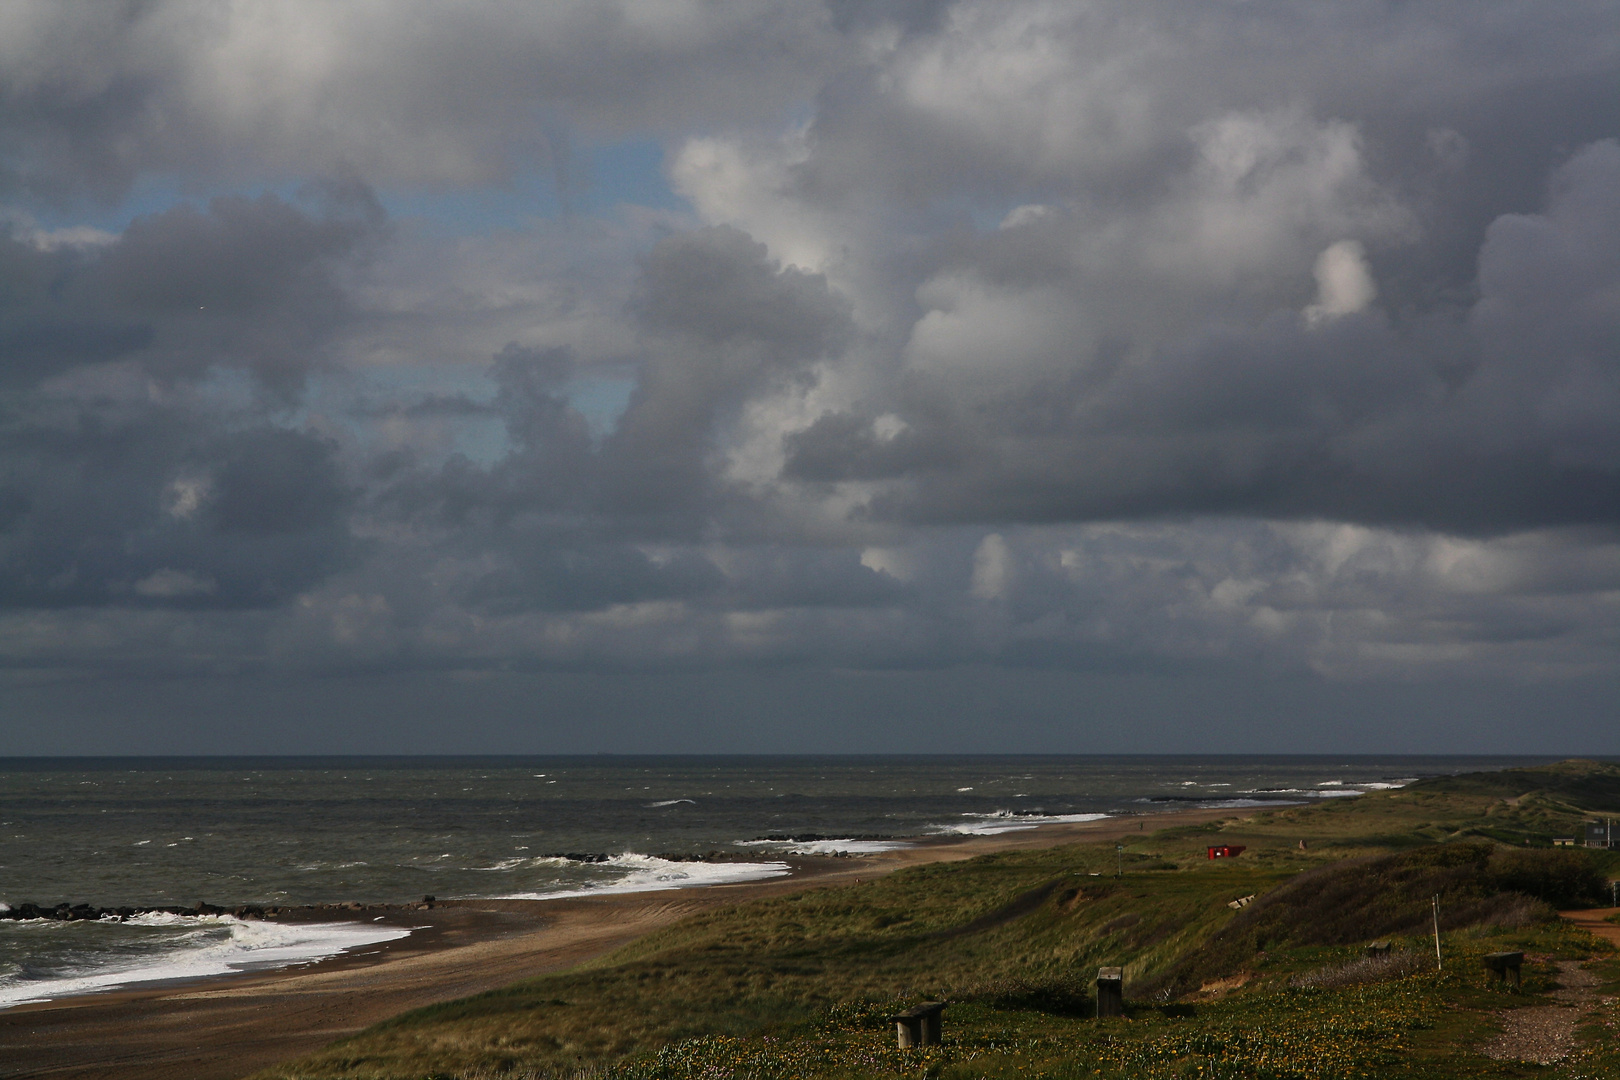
(619, 174)
(365, 405)
(633, 172)
(601, 400)
(480, 439)
(629, 172)
(510, 205)
(372, 407)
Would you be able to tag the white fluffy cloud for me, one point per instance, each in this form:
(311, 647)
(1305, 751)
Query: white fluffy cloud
(1344, 285)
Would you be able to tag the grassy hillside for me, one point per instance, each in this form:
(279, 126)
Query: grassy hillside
(1592, 786)
(798, 986)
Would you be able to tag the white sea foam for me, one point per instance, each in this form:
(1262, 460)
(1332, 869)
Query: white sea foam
(1314, 793)
(508, 864)
(826, 847)
(670, 802)
(847, 847)
(645, 873)
(1003, 821)
(1328, 789)
(218, 945)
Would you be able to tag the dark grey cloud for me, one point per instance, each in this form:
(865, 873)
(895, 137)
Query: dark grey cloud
(134, 475)
(566, 518)
(41, 330)
(724, 323)
(551, 465)
(91, 101)
(245, 283)
(1489, 417)
(847, 446)
(1277, 341)
(158, 508)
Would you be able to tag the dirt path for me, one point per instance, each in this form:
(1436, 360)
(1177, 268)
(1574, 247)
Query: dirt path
(1546, 1033)
(1592, 921)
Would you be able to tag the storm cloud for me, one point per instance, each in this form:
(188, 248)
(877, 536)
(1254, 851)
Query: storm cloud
(626, 339)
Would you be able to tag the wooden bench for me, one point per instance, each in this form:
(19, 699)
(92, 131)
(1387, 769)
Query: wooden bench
(1110, 992)
(918, 1025)
(1504, 966)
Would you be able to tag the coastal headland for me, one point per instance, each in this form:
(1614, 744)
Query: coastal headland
(231, 1026)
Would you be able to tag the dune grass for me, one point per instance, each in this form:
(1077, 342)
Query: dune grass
(798, 986)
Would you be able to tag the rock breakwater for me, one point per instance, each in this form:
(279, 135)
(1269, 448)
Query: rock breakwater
(65, 912)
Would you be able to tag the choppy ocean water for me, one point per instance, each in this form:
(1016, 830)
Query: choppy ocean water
(288, 831)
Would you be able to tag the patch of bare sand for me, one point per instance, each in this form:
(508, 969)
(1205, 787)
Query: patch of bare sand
(1595, 922)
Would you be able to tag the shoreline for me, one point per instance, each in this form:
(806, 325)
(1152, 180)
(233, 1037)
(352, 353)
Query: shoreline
(225, 1026)
(772, 861)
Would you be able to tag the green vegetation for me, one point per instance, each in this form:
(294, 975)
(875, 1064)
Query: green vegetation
(1592, 786)
(799, 986)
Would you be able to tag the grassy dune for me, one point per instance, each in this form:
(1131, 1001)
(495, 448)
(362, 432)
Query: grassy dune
(798, 986)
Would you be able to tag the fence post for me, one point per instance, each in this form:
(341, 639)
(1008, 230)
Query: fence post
(1439, 964)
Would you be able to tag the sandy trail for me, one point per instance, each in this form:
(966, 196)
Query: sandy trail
(229, 1027)
(1593, 921)
(1546, 1033)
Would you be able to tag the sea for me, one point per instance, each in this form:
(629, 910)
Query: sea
(155, 832)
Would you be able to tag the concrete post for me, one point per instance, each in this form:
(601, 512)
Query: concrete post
(1110, 992)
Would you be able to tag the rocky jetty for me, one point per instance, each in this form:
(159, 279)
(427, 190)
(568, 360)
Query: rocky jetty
(65, 912)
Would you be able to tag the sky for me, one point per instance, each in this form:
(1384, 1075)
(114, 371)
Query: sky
(809, 376)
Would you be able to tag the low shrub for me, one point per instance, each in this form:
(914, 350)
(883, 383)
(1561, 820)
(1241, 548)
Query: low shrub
(1057, 997)
(1364, 969)
(1564, 878)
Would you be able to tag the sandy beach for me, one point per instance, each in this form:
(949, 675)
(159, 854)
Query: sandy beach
(231, 1026)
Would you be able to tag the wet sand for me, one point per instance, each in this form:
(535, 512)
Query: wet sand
(230, 1026)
